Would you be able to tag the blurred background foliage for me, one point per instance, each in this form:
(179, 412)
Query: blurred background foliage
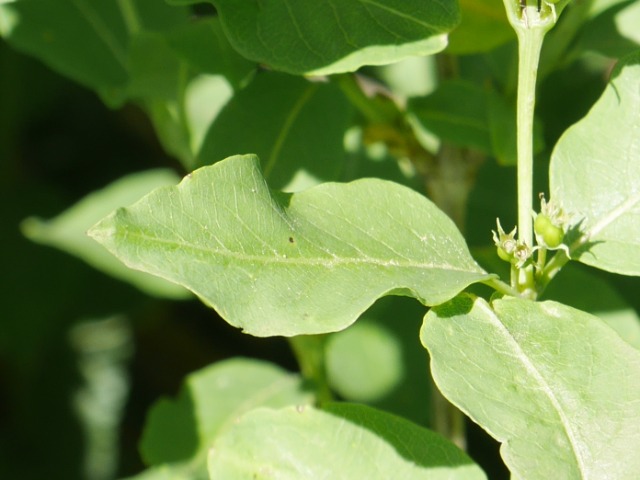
(84, 355)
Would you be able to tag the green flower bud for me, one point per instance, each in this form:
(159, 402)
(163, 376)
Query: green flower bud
(550, 225)
(547, 233)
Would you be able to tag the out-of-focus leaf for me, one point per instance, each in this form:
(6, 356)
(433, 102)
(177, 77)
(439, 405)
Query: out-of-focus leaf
(204, 46)
(462, 113)
(297, 127)
(379, 360)
(179, 432)
(613, 32)
(68, 230)
(484, 26)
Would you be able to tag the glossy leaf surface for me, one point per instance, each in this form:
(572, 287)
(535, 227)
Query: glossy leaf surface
(319, 37)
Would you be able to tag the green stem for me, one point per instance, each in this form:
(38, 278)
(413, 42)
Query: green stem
(531, 26)
(501, 287)
(529, 47)
(310, 353)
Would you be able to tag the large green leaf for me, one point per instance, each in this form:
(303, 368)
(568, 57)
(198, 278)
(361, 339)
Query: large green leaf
(595, 174)
(68, 230)
(319, 37)
(277, 264)
(484, 26)
(555, 385)
(343, 442)
(283, 114)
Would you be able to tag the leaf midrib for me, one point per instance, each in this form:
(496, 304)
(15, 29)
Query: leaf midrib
(545, 387)
(278, 258)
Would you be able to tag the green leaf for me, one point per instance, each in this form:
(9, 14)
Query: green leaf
(277, 264)
(321, 37)
(179, 432)
(282, 113)
(595, 173)
(343, 442)
(456, 112)
(204, 46)
(68, 230)
(467, 115)
(555, 385)
(613, 32)
(85, 40)
(602, 300)
(484, 27)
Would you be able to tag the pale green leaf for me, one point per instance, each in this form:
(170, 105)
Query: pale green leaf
(283, 114)
(344, 442)
(584, 290)
(282, 264)
(364, 362)
(320, 37)
(556, 386)
(68, 230)
(179, 432)
(595, 175)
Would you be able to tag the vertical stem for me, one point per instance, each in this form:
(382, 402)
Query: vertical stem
(530, 38)
(310, 353)
(529, 46)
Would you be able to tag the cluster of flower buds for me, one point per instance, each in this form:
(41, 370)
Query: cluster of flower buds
(549, 226)
(511, 250)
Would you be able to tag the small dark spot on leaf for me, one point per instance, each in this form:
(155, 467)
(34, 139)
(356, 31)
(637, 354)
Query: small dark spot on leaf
(291, 240)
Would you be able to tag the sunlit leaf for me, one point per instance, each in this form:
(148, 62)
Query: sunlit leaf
(276, 264)
(594, 171)
(345, 441)
(556, 386)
